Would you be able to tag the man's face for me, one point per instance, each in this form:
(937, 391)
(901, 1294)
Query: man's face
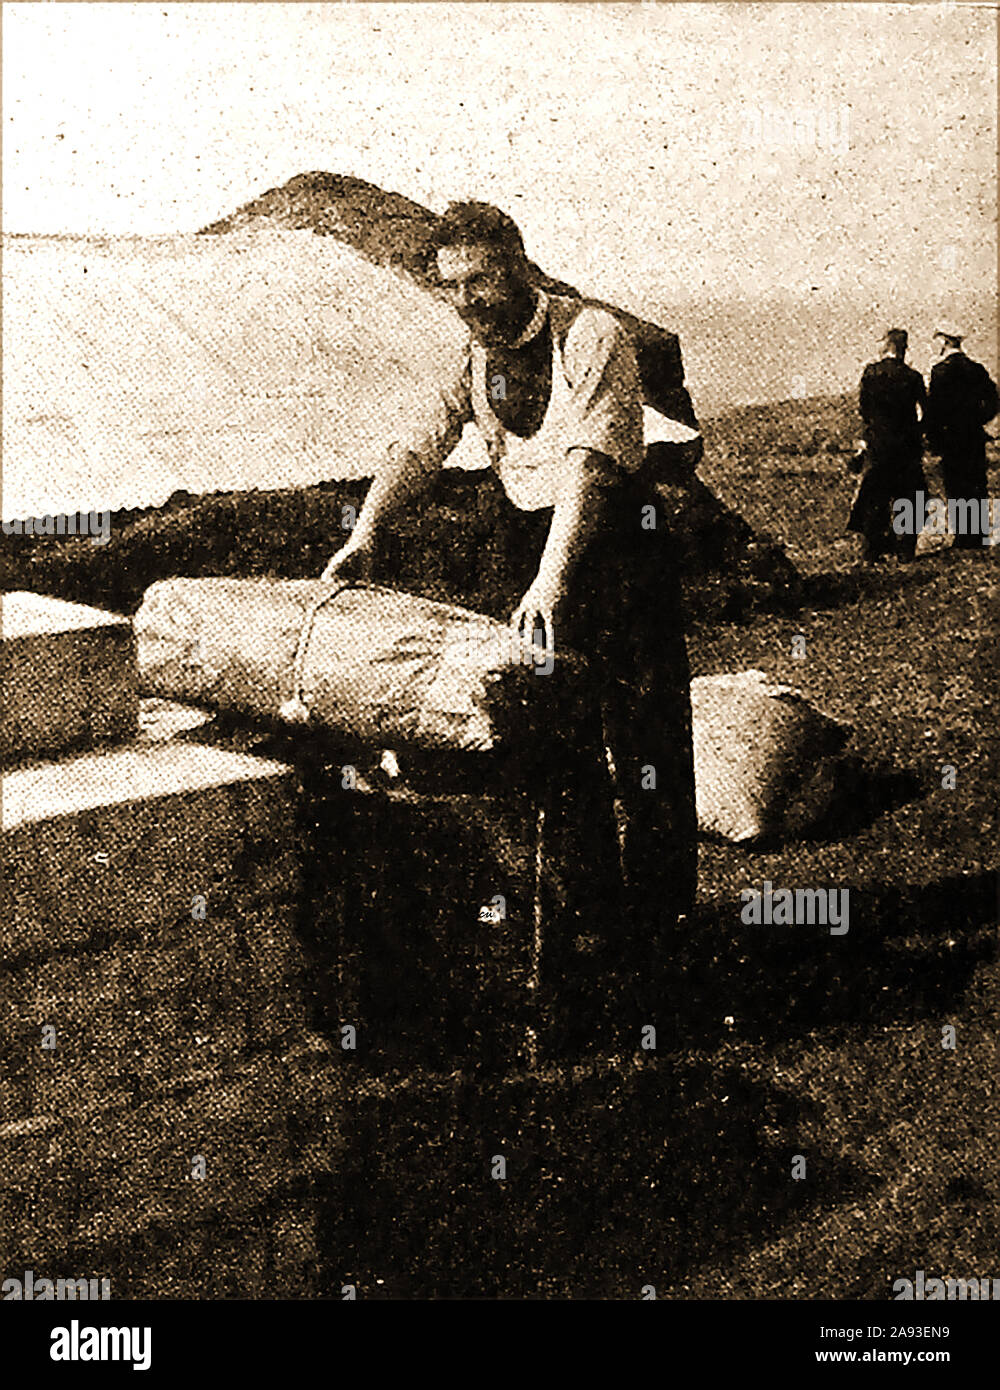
(486, 288)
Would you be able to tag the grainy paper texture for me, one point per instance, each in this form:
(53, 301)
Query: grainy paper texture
(578, 1005)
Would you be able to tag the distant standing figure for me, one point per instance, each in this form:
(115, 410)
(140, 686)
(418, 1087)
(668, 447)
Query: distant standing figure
(961, 399)
(890, 396)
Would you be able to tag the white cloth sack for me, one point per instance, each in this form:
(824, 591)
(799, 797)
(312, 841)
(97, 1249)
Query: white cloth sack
(764, 759)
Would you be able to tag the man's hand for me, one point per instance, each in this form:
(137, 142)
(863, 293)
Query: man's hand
(352, 561)
(575, 518)
(536, 612)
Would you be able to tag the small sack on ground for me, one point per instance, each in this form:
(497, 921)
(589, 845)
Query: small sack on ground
(765, 761)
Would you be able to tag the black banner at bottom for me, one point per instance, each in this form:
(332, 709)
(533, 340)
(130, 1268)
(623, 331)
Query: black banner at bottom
(175, 1342)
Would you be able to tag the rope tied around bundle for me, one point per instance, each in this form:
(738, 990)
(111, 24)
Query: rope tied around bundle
(296, 710)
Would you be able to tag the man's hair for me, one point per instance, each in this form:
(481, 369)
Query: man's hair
(478, 224)
(897, 339)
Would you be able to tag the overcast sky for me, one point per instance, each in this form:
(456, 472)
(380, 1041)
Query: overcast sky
(644, 148)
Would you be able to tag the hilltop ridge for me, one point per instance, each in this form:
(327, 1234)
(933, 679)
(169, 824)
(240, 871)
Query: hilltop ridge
(385, 227)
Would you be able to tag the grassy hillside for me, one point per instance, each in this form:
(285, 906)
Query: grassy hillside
(775, 1044)
(676, 1168)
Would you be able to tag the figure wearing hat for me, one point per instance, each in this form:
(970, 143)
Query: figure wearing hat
(961, 398)
(889, 399)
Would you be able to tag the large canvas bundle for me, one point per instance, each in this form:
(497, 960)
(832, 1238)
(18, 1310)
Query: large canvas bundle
(148, 364)
(763, 757)
(256, 359)
(365, 661)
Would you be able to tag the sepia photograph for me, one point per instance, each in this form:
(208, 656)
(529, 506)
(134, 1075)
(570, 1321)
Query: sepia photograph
(501, 651)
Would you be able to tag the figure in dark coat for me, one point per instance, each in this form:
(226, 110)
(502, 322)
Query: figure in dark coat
(890, 397)
(961, 399)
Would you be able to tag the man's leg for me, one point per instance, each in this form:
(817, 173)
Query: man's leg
(870, 514)
(623, 617)
(646, 703)
(965, 482)
(631, 608)
(641, 662)
(578, 889)
(910, 486)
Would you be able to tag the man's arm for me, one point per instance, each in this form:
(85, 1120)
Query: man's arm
(405, 474)
(920, 401)
(409, 467)
(932, 411)
(989, 401)
(603, 441)
(865, 396)
(575, 519)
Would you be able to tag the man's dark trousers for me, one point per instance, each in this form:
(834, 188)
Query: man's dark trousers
(891, 477)
(964, 470)
(623, 614)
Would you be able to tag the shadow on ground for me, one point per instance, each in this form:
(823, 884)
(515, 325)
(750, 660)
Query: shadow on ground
(567, 1184)
(909, 953)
